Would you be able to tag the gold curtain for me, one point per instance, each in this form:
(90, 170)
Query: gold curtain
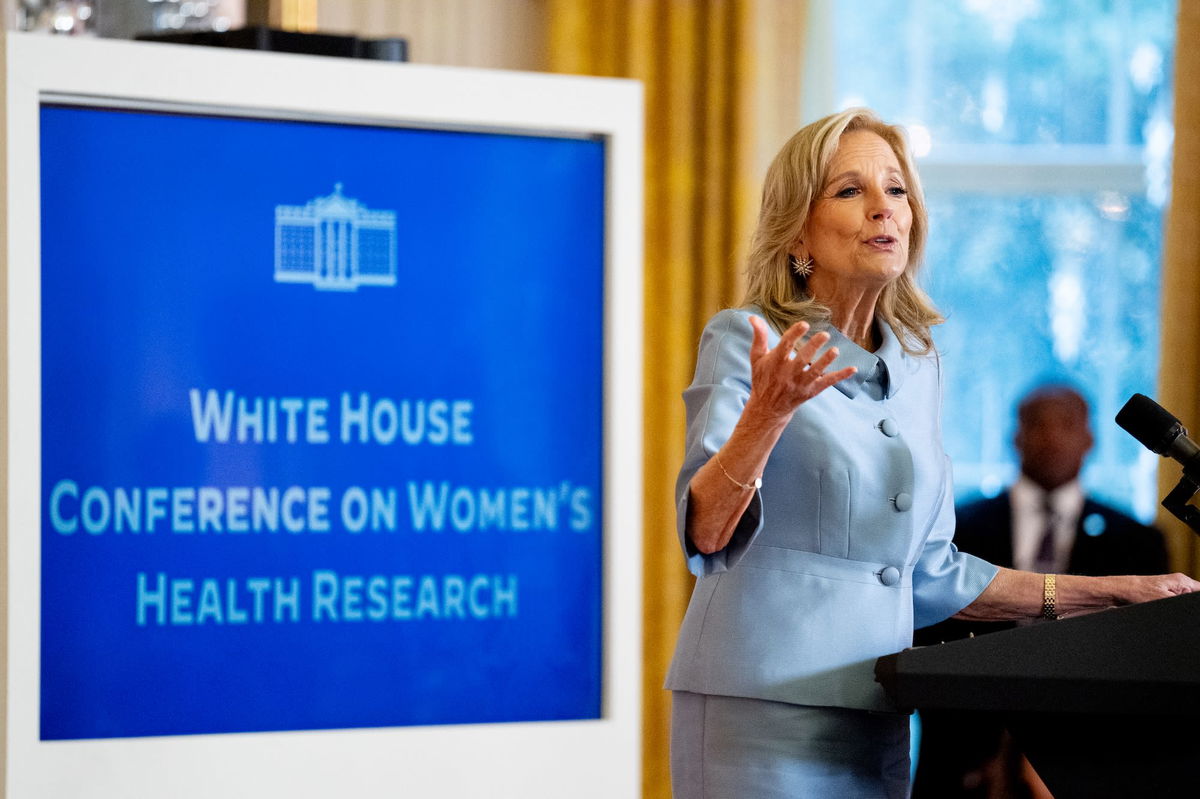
(289, 15)
(1179, 374)
(722, 88)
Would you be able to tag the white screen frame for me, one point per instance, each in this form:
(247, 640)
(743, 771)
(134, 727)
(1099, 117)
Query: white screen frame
(598, 758)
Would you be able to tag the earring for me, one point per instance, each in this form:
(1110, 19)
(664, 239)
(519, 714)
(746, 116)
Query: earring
(802, 267)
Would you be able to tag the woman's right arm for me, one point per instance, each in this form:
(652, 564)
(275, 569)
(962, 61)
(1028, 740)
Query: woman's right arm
(1019, 595)
(782, 379)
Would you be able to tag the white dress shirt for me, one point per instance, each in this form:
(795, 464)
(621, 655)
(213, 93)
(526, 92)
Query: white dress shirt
(1030, 519)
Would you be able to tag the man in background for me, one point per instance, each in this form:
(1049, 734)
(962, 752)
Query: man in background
(1043, 523)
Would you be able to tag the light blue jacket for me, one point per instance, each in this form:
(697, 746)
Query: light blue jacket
(844, 549)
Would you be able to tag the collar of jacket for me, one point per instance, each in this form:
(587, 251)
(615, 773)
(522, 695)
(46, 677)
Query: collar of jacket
(885, 365)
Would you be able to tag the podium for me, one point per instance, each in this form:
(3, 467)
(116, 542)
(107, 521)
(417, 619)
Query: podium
(1104, 705)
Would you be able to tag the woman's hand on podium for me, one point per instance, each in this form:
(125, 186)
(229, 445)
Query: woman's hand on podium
(1131, 589)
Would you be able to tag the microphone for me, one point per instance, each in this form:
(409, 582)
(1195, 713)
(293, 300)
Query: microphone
(1162, 433)
(1159, 431)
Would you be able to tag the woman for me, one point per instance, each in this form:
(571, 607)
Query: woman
(815, 501)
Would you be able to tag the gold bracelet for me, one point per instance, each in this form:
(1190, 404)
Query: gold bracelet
(1049, 597)
(745, 486)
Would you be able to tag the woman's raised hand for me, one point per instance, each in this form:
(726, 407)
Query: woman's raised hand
(783, 378)
(780, 380)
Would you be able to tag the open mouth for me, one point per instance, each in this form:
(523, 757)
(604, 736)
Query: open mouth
(882, 240)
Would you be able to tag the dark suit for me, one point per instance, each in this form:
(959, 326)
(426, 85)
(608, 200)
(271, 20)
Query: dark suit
(1106, 542)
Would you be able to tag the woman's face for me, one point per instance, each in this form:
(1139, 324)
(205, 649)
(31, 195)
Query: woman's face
(857, 232)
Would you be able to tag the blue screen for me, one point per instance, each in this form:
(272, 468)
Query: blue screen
(321, 425)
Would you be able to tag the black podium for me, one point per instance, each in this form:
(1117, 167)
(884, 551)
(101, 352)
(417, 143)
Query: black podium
(1104, 705)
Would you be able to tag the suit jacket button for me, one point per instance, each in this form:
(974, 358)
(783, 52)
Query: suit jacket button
(903, 501)
(889, 576)
(889, 428)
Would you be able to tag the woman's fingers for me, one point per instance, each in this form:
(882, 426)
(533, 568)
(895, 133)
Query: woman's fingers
(787, 342)
(827, 357)
(793, 371)
(758, 347)
(804, 354)
(825, 381)
(809, 349)
(790, 355)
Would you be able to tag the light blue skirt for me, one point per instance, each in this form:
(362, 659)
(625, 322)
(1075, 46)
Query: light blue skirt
(726, 747)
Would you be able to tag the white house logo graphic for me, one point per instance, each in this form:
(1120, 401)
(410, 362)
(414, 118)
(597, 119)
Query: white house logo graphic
(336, 243)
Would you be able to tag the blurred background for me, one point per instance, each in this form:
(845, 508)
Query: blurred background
(1057, 143)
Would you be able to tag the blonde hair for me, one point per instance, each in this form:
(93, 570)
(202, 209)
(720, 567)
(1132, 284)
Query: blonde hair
(793, 183)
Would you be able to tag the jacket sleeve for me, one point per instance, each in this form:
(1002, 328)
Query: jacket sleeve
(714, 403)
(946, 580)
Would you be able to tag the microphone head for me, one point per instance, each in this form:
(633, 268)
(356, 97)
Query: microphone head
(1150, 423)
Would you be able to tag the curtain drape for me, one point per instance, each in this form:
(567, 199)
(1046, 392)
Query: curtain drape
(722, 88)
(1179, 373)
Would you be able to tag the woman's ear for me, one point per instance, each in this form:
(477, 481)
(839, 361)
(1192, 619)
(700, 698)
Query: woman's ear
(798, 249)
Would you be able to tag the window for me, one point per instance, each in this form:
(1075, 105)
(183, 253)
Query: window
(1043, 135)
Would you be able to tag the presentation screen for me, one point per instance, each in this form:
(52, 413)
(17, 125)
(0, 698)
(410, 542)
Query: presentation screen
(321, 424)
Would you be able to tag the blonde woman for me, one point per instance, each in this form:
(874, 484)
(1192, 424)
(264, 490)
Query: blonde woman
(815, 501)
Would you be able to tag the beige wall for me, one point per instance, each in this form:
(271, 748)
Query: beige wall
(500, 34)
